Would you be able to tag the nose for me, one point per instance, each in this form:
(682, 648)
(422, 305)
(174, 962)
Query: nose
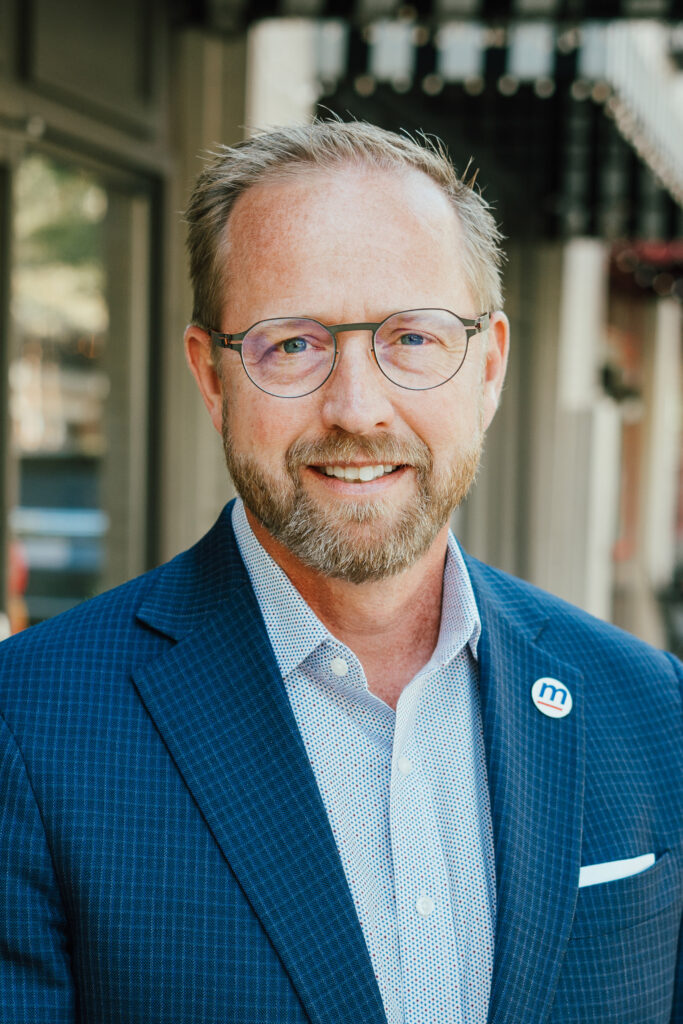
(356, 396)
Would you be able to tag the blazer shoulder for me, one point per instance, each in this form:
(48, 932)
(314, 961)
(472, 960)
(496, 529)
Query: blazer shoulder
(101, 641)
(179, 580)
(108, 617)
(572, 633)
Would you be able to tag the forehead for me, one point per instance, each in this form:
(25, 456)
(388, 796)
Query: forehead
(382, 236)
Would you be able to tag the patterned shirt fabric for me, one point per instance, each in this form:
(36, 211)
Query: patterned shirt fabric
(405, 792)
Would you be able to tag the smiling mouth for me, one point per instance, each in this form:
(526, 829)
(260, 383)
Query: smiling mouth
(359, 474)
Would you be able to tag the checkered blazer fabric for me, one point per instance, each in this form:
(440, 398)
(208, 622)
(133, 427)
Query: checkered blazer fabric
(165, 855)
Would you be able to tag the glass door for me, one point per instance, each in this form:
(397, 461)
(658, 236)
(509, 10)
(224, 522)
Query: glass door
(78, 383)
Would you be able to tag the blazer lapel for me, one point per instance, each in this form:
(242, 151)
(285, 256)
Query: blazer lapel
(535, 770)
(217, 699)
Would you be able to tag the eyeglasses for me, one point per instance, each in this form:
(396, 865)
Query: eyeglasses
(290, 357)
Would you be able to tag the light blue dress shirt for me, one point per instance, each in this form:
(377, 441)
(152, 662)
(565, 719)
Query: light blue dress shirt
(405, 792)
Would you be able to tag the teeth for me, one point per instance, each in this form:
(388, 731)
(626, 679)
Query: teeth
(362, 473)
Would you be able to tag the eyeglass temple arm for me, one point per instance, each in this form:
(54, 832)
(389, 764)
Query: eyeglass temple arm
(225, 340)
(476, 326)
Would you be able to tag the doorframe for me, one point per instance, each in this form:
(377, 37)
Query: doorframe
(5, 431)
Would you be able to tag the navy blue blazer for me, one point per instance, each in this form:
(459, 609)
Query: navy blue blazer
(165, 855)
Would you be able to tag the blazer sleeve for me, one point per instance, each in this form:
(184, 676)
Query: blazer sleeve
(35, 975)
(677, 1011)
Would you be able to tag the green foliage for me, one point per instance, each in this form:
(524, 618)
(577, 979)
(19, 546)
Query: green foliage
(60, 213)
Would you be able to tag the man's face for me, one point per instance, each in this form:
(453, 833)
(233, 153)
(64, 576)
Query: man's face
(348, 246)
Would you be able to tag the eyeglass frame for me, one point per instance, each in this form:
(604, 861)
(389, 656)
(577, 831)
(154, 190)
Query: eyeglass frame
(473, 326)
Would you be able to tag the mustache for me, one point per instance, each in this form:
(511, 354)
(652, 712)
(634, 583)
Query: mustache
(381, 448)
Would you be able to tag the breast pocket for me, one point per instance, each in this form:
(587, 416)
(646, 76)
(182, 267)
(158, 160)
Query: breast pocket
(625, 902)
(620, 963)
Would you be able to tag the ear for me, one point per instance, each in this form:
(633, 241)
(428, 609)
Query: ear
(495, 363)
(199, 355)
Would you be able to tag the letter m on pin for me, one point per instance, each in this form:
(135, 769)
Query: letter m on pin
(554, 690)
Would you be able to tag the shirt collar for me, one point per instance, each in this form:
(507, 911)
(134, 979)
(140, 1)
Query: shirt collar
(460, 622)
(295, 631)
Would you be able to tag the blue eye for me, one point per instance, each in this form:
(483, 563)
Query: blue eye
(412, 339)
(293, 345)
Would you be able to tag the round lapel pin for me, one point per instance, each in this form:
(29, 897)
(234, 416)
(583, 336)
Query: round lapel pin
(551, 697)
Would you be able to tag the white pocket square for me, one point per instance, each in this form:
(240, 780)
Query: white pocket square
(592, 874)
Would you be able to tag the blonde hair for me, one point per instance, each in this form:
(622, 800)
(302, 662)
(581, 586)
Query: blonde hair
(326, 145)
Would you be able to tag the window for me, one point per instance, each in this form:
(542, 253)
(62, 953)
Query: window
(79, 289)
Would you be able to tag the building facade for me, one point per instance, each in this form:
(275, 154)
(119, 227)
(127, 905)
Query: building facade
(108, 461)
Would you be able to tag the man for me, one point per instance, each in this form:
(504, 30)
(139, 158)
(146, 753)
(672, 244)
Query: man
(323, 766)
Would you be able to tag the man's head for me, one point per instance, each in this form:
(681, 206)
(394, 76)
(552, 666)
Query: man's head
(345, 224)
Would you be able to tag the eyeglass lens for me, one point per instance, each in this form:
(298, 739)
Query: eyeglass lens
(418, 349)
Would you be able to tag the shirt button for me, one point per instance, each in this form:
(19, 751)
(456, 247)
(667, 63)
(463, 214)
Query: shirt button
(424, 905)
(405, 765)
(339, 666)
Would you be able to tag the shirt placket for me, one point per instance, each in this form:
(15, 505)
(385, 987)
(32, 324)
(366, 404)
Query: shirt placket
(429, 967)
(449, 732)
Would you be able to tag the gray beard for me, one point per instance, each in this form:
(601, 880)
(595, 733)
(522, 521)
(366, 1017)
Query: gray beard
(360, 541)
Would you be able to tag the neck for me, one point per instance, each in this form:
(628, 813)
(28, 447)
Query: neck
(391, 625)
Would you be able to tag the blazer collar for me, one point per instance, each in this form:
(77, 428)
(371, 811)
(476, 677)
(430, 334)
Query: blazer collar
(188, 591)
(218, 700)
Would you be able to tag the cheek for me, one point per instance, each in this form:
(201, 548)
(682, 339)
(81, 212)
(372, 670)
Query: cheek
(261, 425)
(447, 422)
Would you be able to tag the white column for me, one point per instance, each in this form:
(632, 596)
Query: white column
(604, 478)
(281, 66)
(574, 432)
(663, 446)
(583, 308)
(208, 105)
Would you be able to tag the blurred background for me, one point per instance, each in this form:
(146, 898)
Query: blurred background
(573, 113)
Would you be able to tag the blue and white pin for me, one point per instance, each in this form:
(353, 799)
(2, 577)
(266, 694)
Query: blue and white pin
(551, 697)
